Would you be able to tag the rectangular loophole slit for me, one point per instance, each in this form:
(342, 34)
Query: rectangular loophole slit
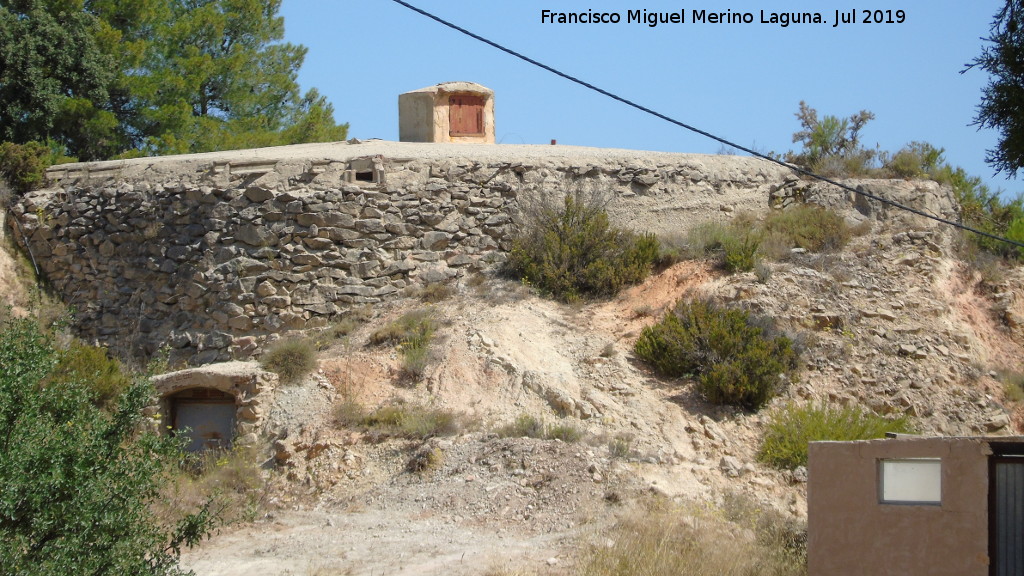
(364, 176)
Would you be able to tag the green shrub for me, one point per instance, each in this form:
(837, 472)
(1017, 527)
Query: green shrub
(412, 333)
(349, 414)
(672, 248)
(573, 252)
(426, 459)
(334, 333)
(791, 429)
(917, 160)
(741, 253)
(23, 166)
(434, 293)
(80, 484)
(229, 480)
(809, 226)
(735, 245)
(415, 359)
(831, 145)
(411, 421)
(705, 238)
(735, 361)
(104, 376)
(1013, 385)
(526, 426)
(416, 325)
(563, 432)
(290, 359)
(621, 445)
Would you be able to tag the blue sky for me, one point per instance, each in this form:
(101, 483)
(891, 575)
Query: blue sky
(743, 82)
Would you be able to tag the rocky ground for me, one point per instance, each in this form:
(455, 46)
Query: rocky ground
(895, 322)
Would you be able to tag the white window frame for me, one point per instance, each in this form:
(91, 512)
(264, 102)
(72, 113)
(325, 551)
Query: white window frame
(910, 481)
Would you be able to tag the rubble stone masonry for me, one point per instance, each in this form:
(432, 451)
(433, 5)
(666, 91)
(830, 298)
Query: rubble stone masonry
(208, 254)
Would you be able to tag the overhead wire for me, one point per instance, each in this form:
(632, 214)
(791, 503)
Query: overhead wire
(707, 134)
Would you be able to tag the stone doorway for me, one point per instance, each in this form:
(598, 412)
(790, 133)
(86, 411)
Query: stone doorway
(205, 416)
(221, 405)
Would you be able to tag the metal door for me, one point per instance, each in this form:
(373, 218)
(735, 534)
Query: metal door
(1006, 514)
(210, 424)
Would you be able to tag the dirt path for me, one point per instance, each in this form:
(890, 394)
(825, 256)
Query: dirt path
(373, 542)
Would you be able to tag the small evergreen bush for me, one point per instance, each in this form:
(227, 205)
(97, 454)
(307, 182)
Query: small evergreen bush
(105, 378)
(809, 226)
(573, 252)
(290, 359)
(793, 427)
(741, 252)
(416, 325)
(23, 165)
(735, 361)
(705, 238)
(524, 426)
(415, 359)
(736, 245)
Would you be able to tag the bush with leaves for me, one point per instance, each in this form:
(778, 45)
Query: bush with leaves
(104, 376)
(526, 426)
(793, 427)
(78, 482)
(734, 360)
(23, 165)
(401, 419)
(809, 226)
(736, 245)
(985, 210)
(573, 252)
(741, 252)
(831, 145)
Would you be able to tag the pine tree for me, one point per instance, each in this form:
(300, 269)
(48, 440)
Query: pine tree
(1002, 101)
(101, 77)
(217, 77)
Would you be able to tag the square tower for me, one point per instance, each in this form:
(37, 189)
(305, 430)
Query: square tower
(448, 112)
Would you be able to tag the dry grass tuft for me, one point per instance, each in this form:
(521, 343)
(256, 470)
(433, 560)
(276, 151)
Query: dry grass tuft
(290, 359)
(230, 480)
(667, 540)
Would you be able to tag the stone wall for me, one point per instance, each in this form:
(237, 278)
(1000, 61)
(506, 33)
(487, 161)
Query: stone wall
(207, 254)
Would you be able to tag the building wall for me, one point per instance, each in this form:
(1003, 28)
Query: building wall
(416, 117)
(850, 533)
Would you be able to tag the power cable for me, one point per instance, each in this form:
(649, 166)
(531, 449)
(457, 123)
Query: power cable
(671, 120)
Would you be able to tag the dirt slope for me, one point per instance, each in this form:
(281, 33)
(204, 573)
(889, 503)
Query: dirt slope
(894, 322)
